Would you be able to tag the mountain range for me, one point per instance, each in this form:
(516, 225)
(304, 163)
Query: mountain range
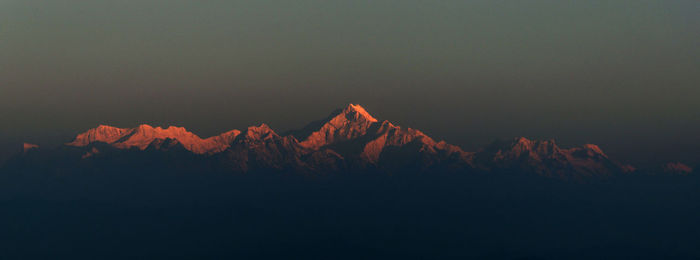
(349, 139)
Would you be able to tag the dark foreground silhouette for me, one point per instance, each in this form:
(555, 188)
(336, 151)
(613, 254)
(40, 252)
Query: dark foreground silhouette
(171, 214)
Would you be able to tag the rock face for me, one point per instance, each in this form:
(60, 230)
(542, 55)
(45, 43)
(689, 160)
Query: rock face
(348, 139)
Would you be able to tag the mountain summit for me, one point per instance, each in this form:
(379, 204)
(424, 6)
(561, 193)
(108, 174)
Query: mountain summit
(342, 125)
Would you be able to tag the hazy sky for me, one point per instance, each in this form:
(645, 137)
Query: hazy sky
(624, 74)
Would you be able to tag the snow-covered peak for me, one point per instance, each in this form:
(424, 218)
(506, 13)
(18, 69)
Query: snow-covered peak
(343, 125)
(357, 112)
(142, 136)
(102, 133)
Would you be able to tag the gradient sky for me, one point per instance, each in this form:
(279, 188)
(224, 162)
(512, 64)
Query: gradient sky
(623, 74)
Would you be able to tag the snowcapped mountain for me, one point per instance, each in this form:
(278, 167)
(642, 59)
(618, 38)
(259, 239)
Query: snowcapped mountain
(348, 139)
(546, 158)
(143, 136)
(343, 125)
(362, 140)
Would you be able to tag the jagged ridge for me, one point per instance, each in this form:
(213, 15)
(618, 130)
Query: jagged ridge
(351, 138)
(143, 136)
(545, 157)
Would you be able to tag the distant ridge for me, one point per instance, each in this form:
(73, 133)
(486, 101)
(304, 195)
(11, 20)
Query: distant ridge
(144, 135)
(350, 138)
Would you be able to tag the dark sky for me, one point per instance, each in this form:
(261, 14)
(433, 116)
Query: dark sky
(623, 74)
